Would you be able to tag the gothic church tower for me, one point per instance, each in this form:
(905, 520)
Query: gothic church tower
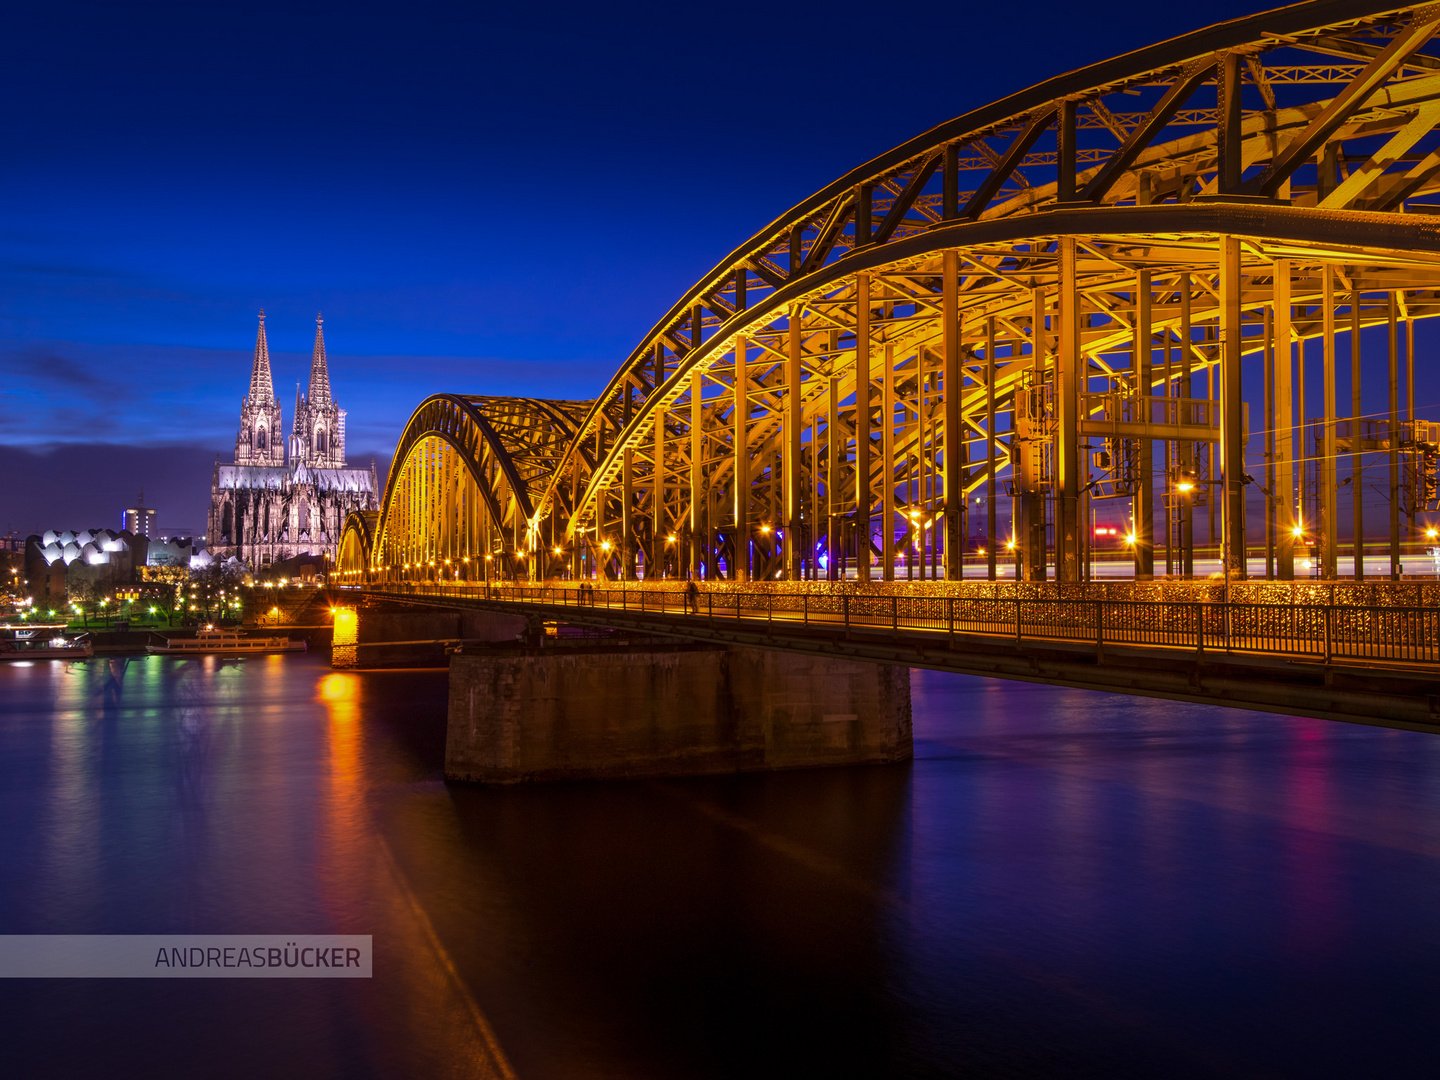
(266, 510)
(317, 436)
(260, 440)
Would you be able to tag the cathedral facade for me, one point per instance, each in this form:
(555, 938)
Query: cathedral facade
(286, 497)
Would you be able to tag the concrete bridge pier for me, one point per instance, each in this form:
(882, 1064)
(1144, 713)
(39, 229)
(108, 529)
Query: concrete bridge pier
(526, 715)
(379, 634)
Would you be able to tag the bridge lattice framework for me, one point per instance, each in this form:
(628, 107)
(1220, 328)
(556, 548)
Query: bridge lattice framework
(1051, 299)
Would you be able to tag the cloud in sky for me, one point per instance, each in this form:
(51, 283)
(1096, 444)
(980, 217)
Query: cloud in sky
(101, 479)
(69, 392)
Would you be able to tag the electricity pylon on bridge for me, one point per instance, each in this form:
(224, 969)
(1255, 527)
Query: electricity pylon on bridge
(1061, 297)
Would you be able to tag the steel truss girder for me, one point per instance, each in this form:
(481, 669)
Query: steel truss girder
(1288, 30)
(1159, 200)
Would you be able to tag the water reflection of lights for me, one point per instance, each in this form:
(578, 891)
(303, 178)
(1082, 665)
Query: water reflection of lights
(338, 687)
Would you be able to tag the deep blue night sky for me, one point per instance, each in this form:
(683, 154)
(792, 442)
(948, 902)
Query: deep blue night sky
(487, 201)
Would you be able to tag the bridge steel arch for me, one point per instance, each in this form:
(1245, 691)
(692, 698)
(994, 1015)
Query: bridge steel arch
(1057, 298)
(357, 542)
(460, 493)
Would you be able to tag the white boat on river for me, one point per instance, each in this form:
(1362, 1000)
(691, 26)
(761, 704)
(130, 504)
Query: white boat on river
(43, 643)
(226, 642)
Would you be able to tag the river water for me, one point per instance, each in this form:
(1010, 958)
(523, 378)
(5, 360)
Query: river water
(1062, 883)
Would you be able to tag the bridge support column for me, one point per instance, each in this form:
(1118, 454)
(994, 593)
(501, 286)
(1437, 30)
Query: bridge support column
(794, 423)
(887, 473)
(1030, 432)
(697, 478)
(741, 447)
(1329, 505)
(530, 715)
(991, 370)
(954, 435)
(1394, 455)
(1186, 479)
(1232, 432)
(1070, 377)
(1144, 506)
(1357, 500)
(627, 524)
(1284, 425)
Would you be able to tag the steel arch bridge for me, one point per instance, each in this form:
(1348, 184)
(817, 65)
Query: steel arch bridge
(1061, 297)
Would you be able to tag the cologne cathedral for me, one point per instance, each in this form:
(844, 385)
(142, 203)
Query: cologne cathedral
(282, 498)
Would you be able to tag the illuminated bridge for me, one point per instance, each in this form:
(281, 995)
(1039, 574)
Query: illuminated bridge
(1142, 281)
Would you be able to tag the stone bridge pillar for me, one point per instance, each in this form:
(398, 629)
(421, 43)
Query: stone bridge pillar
(526, 715)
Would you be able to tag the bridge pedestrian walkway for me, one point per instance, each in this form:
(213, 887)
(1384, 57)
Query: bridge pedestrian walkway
(1326, 633)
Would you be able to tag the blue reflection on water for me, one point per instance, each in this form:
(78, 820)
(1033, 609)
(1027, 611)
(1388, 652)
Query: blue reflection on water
(1062, 883)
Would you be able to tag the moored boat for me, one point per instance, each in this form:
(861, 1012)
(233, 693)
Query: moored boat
(226, 642)
(43, 643)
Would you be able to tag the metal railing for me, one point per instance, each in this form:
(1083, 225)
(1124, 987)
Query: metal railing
(1324, 632)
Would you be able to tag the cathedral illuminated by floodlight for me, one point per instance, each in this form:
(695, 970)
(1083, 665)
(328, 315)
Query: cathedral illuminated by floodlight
(282, 498)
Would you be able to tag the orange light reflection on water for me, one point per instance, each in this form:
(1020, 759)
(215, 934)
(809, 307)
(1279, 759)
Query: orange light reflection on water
(346, 855)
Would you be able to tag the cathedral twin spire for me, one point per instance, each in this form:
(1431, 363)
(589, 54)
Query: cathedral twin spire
(319, 372)
(317, 427)
(262, 386)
